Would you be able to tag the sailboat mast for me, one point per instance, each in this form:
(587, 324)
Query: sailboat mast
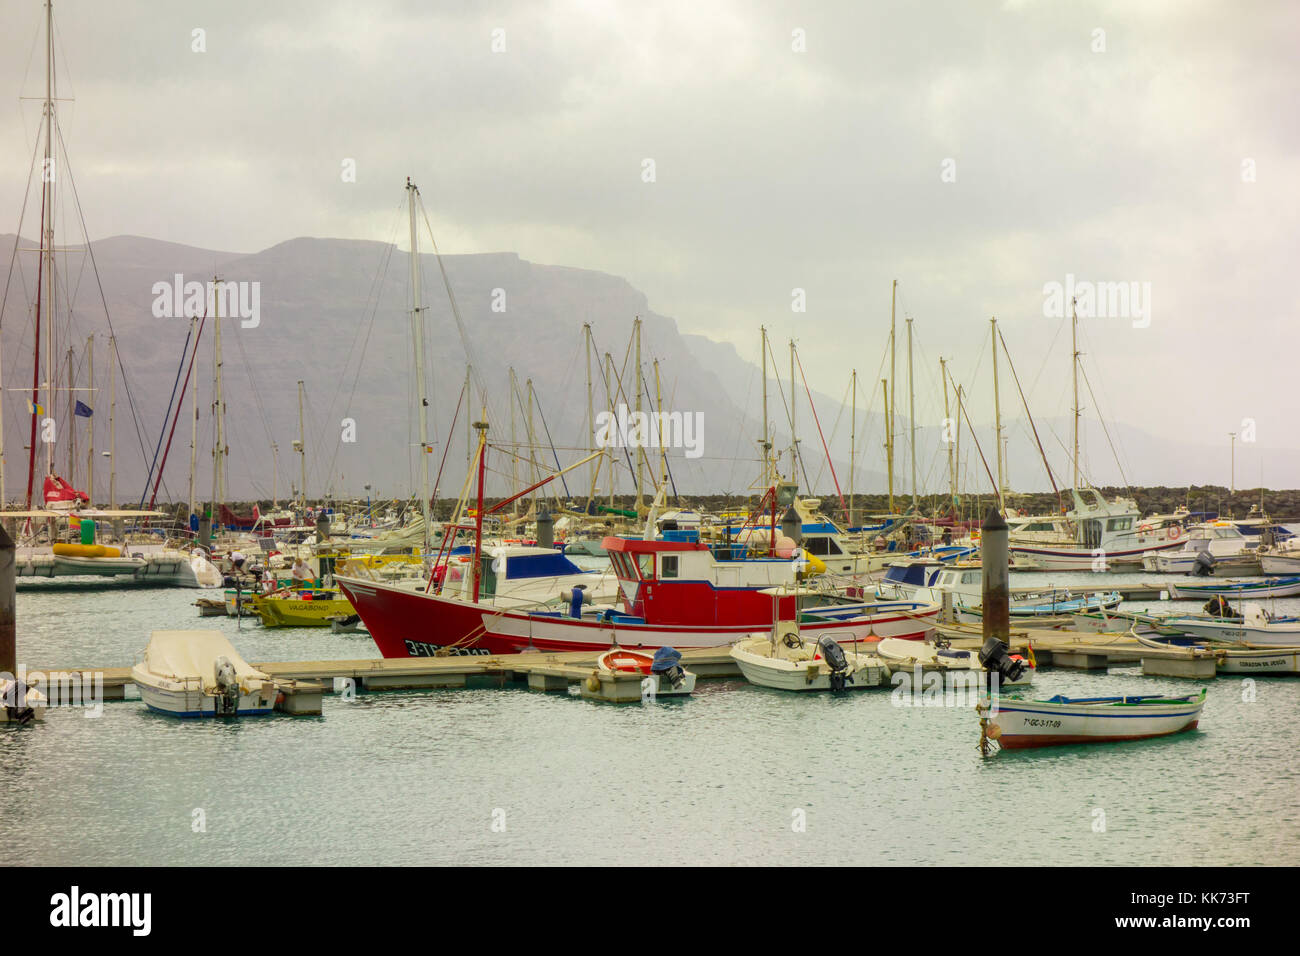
(302, 450)
(90, 426)
(889, 443)
(194, 418)
(594, 468)
(640, 452)
(219, 453)
(72, 426)
(48, 176)
(794, 440)
(663, 448)
(1074, 376)
(609, 448)
(853, 439)
(997, 413)
(514, 442)
(417, 342)
(469, 425)
(532, 445)
(911, 411)
(893, 378)
(947, 417)
(112, 424)
(767, 441)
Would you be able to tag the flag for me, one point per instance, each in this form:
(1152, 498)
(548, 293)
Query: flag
(34, 409)
(83, 410)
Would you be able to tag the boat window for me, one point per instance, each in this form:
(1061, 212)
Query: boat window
(832, 547)
(647, 563)
(816, 545)
(1119, 524)
(668, 566)
(970, 577)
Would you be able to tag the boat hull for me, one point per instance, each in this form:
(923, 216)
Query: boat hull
(1030, 558)
(810, 675)
(407, 623)
(1278, 587)
(1023, 724)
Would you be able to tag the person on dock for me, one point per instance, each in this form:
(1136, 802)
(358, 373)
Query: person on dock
(301, 573)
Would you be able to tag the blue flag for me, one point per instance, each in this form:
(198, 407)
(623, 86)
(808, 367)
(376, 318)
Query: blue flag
(83, 410)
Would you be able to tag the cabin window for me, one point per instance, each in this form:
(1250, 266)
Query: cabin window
(647, 563)
(816, 545)
(668, 566)
(1119, 524)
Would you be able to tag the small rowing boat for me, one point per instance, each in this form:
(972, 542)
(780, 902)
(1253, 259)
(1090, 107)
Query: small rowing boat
(1237, 588)
(1015, 722)
(663, 667)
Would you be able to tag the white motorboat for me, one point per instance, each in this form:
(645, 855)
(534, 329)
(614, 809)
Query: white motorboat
(1284, 560)
(1217, 548)
(785, 661)
(1256, 627)
(1108, 536)
(907, 656)
(663, 668)
(199, 674)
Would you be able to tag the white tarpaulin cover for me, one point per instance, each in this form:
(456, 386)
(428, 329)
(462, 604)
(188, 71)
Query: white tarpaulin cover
(189, 656)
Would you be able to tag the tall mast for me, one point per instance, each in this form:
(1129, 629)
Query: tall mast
(90, 427)
(112, 422)
(911, 410)
(302, 450)
(997, 414)
(1074, 376)
(48, 176)
(794, 440)
(218, 453)
(417, 342)
(609, 449)
(275, 476)
(594, 468)
(514, 442)
(194, 416)
(532, 445)
(663, 448)
(947, 417)
(640, 452)
(767, 441)
(853, 440)
(889, 444)
(956, 452)
(72, 426)
(890, 424)
(469, 425)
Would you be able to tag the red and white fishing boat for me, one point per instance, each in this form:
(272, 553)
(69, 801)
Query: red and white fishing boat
(678, 594)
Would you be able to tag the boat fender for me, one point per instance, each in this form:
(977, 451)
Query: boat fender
(593, 683)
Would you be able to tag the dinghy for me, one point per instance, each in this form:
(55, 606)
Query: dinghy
(785, 661)
(1232, 588)
(199, 674)
(1256, 626)
(1015, 722)
(909, 655)
(664, 667)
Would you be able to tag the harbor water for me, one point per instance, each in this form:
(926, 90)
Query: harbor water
(733, 775)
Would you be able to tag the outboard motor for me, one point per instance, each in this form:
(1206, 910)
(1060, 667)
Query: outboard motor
(836, 661)
(227, 697)
(1204, 566)
(993, 655)
(668, 664)
(576, 597)
(15, 703)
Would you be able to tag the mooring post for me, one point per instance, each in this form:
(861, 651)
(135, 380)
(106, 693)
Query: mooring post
(8, 640)
(997, 585)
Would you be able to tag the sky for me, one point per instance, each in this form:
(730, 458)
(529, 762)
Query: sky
(736, 160)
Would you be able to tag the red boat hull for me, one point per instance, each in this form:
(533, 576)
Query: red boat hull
(409, 623)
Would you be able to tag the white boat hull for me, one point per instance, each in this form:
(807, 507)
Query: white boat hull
(195, 703)
(803, 675)
(1285, 634)
(1030, 723)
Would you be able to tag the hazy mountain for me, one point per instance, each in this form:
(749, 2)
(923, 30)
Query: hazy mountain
(334, 313)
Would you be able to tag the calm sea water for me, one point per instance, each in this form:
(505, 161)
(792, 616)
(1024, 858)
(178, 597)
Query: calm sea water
(490, 776)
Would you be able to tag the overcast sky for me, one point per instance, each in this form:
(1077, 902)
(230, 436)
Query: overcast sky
(795, 146)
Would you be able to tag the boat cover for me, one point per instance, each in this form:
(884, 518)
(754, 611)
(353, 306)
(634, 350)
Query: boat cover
(192, 655)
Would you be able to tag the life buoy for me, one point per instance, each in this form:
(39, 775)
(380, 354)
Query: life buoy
(1175, 532)
(1145, 529)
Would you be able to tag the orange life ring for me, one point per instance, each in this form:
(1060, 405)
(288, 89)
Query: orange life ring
(1175, 532)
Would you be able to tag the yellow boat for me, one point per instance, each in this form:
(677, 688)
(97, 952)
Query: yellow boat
(285, 611)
